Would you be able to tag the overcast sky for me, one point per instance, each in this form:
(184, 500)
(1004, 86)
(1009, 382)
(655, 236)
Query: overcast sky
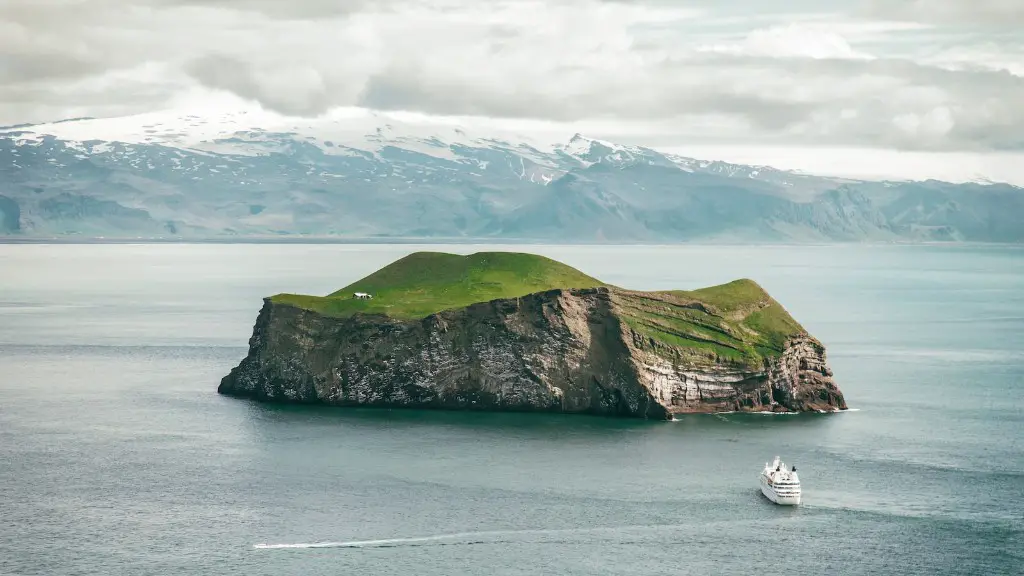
(932, 78)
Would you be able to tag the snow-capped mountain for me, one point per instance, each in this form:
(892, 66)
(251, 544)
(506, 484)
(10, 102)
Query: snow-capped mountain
(348, 133)
(355, 173)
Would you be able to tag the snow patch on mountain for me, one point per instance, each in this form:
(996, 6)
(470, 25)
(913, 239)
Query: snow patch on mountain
(257, 132)
(590, 151)
(352, 143)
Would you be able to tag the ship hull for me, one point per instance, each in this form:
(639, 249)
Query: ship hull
(780, 499)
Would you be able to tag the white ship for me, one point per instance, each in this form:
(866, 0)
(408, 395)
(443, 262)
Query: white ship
(780, 485)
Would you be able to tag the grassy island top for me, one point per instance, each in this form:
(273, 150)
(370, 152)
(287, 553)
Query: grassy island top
(738, 321)
(423, 283)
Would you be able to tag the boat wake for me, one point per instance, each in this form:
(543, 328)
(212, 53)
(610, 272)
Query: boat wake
(388, 542)
(720, 415)
(463, 538)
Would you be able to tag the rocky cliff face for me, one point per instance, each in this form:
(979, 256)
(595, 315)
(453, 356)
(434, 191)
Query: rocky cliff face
(555, 351)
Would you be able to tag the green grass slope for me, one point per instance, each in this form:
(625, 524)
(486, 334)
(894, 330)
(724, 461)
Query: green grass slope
(424, 283)
(736, 323)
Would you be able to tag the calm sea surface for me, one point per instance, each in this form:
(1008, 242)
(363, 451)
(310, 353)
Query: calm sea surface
(117, 456)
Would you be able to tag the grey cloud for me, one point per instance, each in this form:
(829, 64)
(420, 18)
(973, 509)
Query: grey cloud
(911, 106)
(60, 58)
(28, 53)
(762, 111)
(63, 40)
(33, 67)
(1006, 14)
(296, 91)
(300, 9)
(226, 73)
(405, 89)
(45, 102)
(49, 47)
(49, 16)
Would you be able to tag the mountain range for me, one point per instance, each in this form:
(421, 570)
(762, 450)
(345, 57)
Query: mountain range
(363, 175)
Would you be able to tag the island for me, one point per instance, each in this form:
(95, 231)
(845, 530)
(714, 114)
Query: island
(506, 331)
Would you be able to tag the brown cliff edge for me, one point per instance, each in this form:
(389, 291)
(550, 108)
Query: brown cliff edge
(596, 350)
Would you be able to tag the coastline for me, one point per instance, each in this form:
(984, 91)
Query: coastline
(405, 240)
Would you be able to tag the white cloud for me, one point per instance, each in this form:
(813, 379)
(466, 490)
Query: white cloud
(871, 163)
(700, 72)
(1003, 57)
(934, 123)
(1008, 14)
(791, 41)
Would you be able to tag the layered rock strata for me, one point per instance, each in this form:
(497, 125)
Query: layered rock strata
(578, 350)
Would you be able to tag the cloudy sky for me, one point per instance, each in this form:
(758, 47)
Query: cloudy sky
(929, 86)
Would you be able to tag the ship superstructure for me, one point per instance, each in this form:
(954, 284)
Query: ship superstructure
(780, 485)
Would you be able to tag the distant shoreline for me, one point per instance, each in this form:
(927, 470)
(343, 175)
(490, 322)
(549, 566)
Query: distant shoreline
(250, 240)
(10, 240)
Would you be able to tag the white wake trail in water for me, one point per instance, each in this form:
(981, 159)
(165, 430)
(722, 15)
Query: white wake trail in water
(395, 541)
(455, 538)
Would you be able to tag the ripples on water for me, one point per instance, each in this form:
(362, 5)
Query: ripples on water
(118, 456)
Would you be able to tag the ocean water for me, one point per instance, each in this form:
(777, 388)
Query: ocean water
(117, 456)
